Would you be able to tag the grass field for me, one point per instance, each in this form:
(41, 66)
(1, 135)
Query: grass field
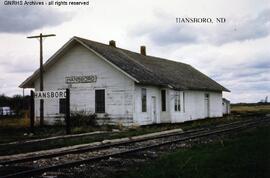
(14, 123)
(12, 132)
(246, 156)
(250, 109)
(18, 130)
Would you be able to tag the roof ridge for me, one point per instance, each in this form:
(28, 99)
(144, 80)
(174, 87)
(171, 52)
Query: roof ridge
(147, 56)
(152, 58)
(122, 51)
(146, 69)
(137, 62)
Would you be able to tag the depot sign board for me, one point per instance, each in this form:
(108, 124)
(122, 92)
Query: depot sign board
(42, 95)
(58, 94)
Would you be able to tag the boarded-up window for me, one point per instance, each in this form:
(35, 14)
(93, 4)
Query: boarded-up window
(62, 106)
(143, 97)
(100, 101)
(163, 100)
(177, 101)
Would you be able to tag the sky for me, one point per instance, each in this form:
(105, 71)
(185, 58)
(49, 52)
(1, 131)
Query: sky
(236, 53)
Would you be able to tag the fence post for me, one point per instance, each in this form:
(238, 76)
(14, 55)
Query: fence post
(32, 111)
(68, 129)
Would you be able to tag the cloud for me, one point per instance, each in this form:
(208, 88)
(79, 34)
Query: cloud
(261, 64)
(9, 83)
(242, 67)
(9, 64)
(248, 79)
(14, 70)
(236, 29)
(246, 28)
(234, 53)
(173, 35)
(27, 19)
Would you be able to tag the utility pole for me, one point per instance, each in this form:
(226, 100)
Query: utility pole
(40, 37)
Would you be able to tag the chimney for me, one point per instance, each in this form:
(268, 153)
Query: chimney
(143, 50)
(112, 43)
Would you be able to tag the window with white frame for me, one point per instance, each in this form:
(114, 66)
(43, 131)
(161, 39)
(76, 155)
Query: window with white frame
(177, 101)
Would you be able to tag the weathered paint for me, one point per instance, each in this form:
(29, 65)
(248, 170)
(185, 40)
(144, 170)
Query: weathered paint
(79, 61)
(144, 118)
(195, 106)
(192, 105)
(123, 103)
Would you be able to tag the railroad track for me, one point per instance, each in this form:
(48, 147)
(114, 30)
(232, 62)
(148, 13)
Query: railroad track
(85, 155)
(109, 145)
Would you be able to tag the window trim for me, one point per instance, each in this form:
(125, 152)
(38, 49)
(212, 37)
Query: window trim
(177, 101)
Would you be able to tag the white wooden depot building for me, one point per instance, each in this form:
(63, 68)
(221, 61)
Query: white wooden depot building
(127, 87)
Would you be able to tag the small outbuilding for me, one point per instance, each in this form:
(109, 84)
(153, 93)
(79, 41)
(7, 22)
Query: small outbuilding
(226, 106)
(127, 87)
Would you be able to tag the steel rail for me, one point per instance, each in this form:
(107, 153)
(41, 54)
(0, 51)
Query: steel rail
(109, 145)
(97, 158)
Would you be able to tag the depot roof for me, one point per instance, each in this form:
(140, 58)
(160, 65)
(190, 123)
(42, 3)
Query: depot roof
(143, 69)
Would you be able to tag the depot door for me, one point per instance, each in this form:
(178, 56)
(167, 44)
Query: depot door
(154, 109)
(206, 106)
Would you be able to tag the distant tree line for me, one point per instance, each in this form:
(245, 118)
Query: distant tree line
(250, 104)
(17, 103)
(261, 102)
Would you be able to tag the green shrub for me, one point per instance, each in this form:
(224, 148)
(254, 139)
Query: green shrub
(83, 118)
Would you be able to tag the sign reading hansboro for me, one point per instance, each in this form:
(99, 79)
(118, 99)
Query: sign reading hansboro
(50, 94)
(81, 79)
